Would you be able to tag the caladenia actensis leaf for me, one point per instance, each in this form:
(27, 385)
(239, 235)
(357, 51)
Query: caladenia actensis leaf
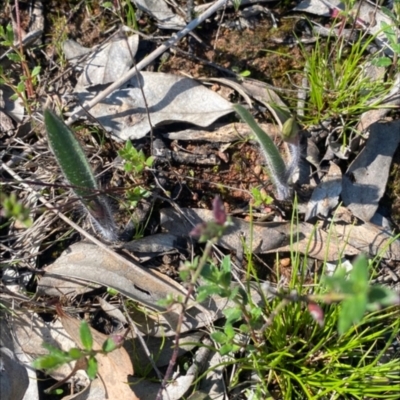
(76, 169)
(280, 172)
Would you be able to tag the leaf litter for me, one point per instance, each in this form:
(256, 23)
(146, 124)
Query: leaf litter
(170, 99)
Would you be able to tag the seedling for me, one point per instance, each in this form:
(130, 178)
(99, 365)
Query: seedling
(24, 90)
(84, 356)
(135, 161)
(14, 209)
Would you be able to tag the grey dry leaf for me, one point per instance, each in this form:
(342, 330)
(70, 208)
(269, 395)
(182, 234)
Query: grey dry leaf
(13, 108)
(86, 261)
(263, 93)
(367, 238)
(159, 10)
(109, 62)
(30, 331)
(53, 285)
(326, 195)
(226, 133)
(317, 7)
(346, 239)
(73, 50)
(365, 180)
(170, 98)
(13, 375)
(391, 100)
(264, 237)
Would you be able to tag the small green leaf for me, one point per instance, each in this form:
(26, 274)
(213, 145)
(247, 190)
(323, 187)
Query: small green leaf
(21, 87)
(86, 336)
(150, 161)
(50, 361)
(359, 273)
(75, 353)
(36, 71)
(92, 368)
(380, 296)
(290, 129)
(351, 312)
(210, 273)
(245, 73)
(232, 314)
(229, 331)
(205, 291)
(109, 345)
(9, 34)
(226, 349)
(14, 57)
(219, 337)
(382, 62)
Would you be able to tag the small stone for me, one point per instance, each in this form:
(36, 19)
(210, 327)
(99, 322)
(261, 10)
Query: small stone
(257, 170)
(285, 262)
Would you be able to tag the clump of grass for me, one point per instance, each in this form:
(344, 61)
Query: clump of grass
(340, 87)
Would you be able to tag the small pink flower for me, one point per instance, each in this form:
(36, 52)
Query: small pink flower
(219, 211)
(316, 312)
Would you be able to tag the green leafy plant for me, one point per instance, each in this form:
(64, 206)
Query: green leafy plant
(295, 358)
(76, 169)
(344, 354)
(260, 197)
(279, 171)
(357, 294)
(236, 4)
(135, 161)
(24, 89)
(15, 209)
(85, 356)
(391, 32)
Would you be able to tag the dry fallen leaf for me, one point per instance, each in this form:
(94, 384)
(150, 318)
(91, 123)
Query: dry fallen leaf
(90, 263)
(169, 98)
(109, 62)
(365, 180)
(13, 376)
(159, 9)
(307, 238)
(31, 332)
(222, 133)
(326, 195)
(261, 238)
(114, 368)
